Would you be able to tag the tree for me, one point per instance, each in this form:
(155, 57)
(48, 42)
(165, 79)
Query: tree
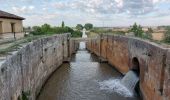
(45, 28)
(36, 30)
(150, 30)
(62, 25)
(167, 36)
(88, 26)
(79, 27)
(76, 34)
(137, 30)
(148, 34)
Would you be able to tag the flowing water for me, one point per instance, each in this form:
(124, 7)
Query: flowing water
(130, 80)
(84, 78)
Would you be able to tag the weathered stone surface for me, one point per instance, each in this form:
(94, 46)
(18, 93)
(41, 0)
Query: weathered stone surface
(28, 69)
(166, 88)
(154, 62)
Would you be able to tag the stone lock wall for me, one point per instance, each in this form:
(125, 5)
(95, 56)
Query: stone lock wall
(29, 68)
(154, 62)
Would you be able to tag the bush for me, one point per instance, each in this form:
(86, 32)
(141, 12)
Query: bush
(36, 30)
(76, 34)
(147, 36)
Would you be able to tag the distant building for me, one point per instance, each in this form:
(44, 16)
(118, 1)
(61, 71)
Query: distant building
(10, 24)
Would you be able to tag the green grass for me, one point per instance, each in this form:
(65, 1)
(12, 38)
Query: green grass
(14, 45)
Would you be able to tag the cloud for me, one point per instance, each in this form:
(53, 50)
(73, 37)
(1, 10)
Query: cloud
(23, 9)
(131, 7)
(81, 11)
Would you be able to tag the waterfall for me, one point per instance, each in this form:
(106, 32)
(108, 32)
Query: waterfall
(130, 80)
(124, 86)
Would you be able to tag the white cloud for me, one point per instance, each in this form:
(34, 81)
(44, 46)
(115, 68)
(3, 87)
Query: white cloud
(133, 7)
(23, 9)
(81, 11)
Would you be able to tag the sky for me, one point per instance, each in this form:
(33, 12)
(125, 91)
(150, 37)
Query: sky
(108, 13)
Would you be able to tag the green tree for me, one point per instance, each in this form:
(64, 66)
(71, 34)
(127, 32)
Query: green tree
(167, 36)
(137, 30)
(76, 34)
(62, 25)
(88, 26)
(79, 27)
(46, 28)
(148, 34)
(36, 30)
(150, 30)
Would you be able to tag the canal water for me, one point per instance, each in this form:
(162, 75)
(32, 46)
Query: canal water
(84, 78)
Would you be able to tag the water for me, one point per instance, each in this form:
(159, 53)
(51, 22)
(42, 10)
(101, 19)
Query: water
(130, 80)
(84, 79)
(115, 85)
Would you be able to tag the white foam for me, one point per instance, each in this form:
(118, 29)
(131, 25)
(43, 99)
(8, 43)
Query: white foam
(114, 85)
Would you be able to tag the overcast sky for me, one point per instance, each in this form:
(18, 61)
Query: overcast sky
(98, 12)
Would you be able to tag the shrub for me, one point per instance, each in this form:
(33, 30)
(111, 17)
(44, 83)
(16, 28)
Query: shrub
(76, 34)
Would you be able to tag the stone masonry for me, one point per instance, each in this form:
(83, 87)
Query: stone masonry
(28, 69)
(154, 62)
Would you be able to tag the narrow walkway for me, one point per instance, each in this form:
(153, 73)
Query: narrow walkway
(80, 80)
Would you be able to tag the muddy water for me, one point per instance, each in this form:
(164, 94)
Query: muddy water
(82, 79)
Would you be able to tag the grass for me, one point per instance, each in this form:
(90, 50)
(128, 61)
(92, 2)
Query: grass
(9, 46)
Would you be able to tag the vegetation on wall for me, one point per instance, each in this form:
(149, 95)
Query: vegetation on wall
(24, 96)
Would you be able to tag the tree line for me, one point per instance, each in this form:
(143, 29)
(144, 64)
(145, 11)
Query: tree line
(47, 29)
(87, 26)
